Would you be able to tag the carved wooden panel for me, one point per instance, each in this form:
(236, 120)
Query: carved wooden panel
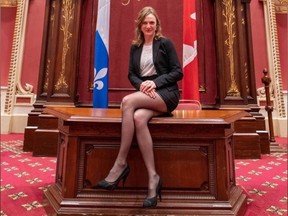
(59, 61)
(235, 69)
(98, 155)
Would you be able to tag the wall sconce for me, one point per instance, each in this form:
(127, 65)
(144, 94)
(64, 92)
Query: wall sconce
(8, 3)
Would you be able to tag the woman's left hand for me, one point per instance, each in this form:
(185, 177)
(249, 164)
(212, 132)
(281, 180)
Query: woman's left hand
(148, 87)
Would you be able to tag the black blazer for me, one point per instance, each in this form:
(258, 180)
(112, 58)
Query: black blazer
(166, 63)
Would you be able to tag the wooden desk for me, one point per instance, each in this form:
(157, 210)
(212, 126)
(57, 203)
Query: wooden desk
(193, 154)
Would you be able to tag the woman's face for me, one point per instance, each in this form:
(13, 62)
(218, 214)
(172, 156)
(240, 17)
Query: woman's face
(148, 26)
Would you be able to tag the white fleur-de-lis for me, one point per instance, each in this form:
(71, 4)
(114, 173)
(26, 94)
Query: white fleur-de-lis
(97, 78)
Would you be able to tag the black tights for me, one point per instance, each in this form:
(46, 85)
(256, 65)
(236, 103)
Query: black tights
(137, 110)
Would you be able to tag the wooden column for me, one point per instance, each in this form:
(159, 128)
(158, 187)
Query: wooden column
(236, 76)
(235, 68)
(57, 84)
(266, 80)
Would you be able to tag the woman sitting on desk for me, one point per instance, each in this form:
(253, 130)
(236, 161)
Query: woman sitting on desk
(154, 70)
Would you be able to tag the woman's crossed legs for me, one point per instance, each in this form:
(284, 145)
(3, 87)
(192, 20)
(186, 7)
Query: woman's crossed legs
(137, 110)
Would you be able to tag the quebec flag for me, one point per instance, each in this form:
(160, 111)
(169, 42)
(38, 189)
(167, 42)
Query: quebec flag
(101, 57)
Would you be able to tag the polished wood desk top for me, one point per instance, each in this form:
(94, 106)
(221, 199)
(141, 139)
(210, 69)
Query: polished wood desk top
(76, 114)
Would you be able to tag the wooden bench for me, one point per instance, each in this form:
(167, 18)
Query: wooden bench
(193, 153)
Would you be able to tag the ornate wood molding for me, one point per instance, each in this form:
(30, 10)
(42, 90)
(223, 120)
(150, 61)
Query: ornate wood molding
(8, 3)
(67, 10)
(235, 69)
(229, 22)
(15, 89)
(60, 54)
(281, 6)
(273, 55)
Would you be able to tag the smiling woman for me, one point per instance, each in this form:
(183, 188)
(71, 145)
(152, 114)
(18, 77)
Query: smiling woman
(154, 70)
(123, 18)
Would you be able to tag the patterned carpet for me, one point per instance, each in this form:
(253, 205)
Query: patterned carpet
(24, 178)
(265, 183)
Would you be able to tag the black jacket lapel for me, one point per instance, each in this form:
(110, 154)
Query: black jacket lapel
(156, 45)
(138, 52)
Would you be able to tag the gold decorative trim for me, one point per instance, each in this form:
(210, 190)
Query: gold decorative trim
(273, 56)
(229, 14)
(52, 18)
(46, 77)
(281, 6)
(48, 61)
(243, 21)
(203, 88)
(8, 3)
(262, 94)
(68, 10)
(15, 89)
(246, 78)
(127, 2)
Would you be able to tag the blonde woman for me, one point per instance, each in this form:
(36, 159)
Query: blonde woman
(154, 70)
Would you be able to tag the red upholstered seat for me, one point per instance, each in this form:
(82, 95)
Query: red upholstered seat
(189, 105)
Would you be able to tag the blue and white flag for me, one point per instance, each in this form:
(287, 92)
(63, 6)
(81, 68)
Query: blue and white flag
(101, 57)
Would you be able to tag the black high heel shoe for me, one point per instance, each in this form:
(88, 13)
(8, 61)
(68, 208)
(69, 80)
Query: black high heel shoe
(152, 202)
(113, 185)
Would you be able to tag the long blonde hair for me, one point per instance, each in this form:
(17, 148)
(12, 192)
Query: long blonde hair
(139, 37)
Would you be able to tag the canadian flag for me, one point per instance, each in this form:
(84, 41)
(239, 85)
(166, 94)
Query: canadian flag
(190, 85)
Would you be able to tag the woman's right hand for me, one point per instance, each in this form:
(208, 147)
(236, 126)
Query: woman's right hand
(148, 87)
